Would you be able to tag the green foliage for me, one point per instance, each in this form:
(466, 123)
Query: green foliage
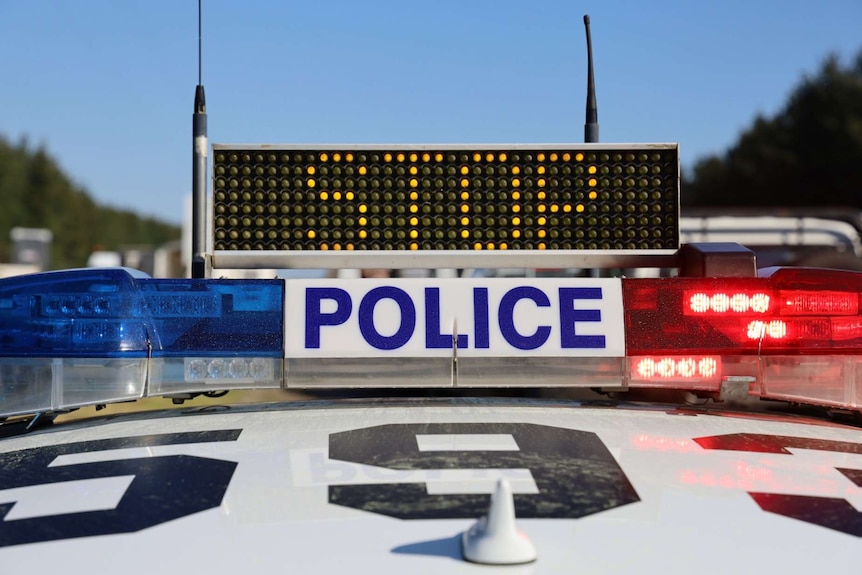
(35, 193)
(809, 154)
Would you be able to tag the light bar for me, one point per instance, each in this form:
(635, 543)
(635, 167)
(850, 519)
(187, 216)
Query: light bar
(89, 337)
(317, 201)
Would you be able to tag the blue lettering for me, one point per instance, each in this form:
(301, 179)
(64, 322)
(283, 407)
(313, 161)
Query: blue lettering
(433, 338)
(366, 318)
(569, 316)
(507, 319)
(314, 318)
(480, 318)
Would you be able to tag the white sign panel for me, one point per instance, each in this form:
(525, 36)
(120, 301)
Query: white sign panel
(575, 317)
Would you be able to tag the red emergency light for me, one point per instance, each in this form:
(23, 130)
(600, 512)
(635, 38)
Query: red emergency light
(793, 334)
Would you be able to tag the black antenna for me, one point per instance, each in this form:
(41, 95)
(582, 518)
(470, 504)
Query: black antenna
(200, 46)
(591, 127)
(199, 170)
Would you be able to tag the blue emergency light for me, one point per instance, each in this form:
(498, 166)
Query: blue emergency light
(88, 336)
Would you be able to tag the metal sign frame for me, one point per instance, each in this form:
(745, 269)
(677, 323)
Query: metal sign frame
(271, 257)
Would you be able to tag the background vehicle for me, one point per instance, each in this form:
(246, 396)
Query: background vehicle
(814, 237)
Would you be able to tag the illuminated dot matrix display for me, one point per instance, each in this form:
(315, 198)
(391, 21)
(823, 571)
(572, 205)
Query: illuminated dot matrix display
(445, 199)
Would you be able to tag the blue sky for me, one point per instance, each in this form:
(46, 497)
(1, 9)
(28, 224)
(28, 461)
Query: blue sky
(107, 86)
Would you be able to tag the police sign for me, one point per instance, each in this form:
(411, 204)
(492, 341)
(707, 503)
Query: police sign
(577, 317)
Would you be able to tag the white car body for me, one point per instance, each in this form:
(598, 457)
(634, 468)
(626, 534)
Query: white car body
(600, 488)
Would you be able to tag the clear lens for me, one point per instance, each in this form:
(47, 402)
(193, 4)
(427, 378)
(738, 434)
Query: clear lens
(204, 374)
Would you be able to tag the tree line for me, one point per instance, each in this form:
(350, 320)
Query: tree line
(35, 193)
(807, 154)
